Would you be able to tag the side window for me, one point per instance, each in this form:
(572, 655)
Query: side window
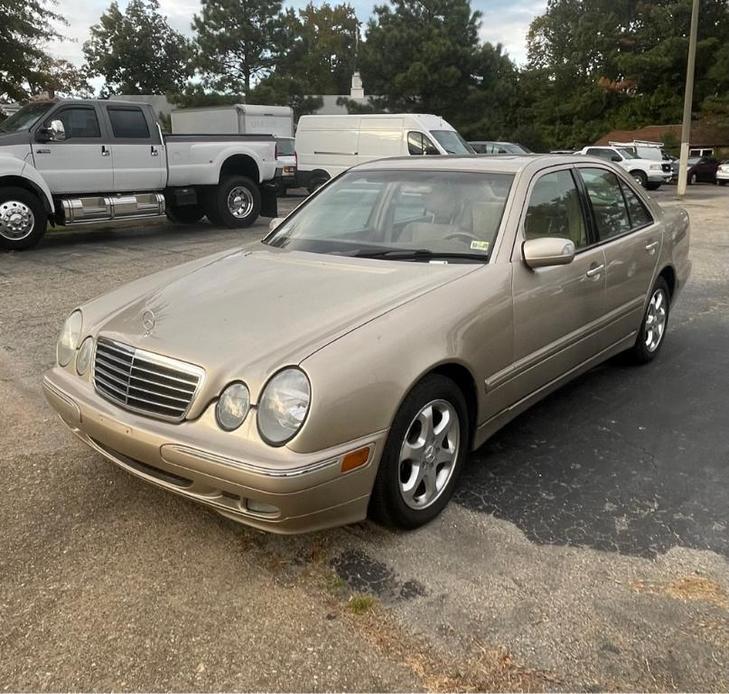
(555, 209)
(606, 154)
(78, 122)
(419, 144)
(639, 215)
(415, 143)
(608, 205)
(128, 123)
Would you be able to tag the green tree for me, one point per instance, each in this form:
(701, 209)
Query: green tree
(137, 52)
(25, 27)
(237, 41)
(319, 46)
(420, 54)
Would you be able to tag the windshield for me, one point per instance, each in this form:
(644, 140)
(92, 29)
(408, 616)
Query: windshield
(626, 153)
(285, 147)
(451, 142)
(25, 118)
(406, 215)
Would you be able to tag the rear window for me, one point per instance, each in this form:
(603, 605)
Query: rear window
(128, 123)
(285, 147)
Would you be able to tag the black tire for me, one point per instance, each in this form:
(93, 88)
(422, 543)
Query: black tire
(387, 504)
(640, 353)
(185, 214)
(12, 199)
(721, 183)
(316, 182)
(217, 207)
(640, 177)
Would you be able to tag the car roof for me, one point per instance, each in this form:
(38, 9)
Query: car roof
(503, 163)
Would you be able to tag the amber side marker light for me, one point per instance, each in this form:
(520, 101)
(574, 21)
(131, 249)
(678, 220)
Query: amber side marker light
(355, 459)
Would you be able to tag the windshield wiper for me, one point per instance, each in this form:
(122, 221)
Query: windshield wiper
(416, 254)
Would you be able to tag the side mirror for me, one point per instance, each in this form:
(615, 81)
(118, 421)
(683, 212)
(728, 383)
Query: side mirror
(547, 251)
(615, 157)
(54, 132)
(275, 222)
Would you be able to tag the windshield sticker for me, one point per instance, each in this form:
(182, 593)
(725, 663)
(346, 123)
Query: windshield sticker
(480, 246)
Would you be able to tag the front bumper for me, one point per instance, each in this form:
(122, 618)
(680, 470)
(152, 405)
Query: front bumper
(659, 177)
(722, 175)
(307, 491)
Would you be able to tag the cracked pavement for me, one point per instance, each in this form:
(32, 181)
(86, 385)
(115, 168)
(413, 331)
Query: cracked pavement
(587, 547)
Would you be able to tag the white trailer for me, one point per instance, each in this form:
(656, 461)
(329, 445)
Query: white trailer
(236, 119)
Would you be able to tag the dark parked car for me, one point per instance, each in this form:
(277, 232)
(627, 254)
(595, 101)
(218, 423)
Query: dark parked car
(490, 147)
(702, 169)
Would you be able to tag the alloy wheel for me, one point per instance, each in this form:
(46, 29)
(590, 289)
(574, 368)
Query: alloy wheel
(429, 453)
(655, 321)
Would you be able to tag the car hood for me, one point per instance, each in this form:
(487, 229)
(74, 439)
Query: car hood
(250, 312)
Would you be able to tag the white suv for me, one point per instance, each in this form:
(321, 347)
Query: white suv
(722, 173)
(648, 172)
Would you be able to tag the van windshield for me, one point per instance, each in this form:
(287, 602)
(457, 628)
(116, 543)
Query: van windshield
(452, 142)
(400, 215)
(25, 118)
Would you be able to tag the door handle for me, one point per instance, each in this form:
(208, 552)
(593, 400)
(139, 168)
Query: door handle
(595, 270)
(105, 152)
(651, 247)
(154, 151)
(43, 151)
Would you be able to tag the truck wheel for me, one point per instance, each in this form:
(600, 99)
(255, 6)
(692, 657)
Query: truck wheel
(317, 181)
(236, 203)
(185, 214)
(23, 219)
(640, 177)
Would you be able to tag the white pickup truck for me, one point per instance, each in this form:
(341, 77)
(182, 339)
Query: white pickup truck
(75, 162)
(649, 173)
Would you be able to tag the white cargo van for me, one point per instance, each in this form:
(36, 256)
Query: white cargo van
(236, 119)
(328, 145)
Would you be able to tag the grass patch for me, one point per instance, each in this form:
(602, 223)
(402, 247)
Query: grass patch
(359, 604)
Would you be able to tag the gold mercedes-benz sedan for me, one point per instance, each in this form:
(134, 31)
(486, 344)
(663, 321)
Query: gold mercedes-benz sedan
(346, 364)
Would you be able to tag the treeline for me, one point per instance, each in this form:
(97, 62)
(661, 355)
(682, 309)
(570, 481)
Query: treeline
(593, 65)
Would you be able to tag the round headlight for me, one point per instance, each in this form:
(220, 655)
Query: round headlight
(70, 335)
(233, 406)
(83, 358)
(283, 406)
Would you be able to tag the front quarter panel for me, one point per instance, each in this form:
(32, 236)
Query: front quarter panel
(359, 381)
(11, 165)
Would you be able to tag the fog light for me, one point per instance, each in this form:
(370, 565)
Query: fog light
(260, 507)
(83, 358)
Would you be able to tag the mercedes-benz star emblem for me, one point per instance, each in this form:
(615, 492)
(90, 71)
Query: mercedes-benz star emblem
(148, 321)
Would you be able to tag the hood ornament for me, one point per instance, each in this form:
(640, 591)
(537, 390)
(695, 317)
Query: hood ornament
(148, 322)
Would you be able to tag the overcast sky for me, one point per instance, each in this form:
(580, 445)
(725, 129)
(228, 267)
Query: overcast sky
(504, 21)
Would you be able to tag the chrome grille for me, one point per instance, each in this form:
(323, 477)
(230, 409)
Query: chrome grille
(144, 382)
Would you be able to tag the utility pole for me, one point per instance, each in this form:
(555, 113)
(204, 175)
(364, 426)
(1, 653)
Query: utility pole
(688, 99)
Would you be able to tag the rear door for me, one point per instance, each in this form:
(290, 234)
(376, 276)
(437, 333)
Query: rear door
(138, 150)
(557, 310)
(81, 163)
(631, 240)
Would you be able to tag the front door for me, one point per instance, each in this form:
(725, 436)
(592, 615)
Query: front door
(81, 163)
(139, 156)
(557, 309)
(631, 241)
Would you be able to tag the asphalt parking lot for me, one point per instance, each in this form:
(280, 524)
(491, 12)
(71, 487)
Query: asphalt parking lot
(588, 547)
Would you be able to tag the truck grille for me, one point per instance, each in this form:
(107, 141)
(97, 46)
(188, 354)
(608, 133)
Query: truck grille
(145, 382)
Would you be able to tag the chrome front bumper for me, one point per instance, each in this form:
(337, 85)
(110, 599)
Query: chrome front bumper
(308, 491)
